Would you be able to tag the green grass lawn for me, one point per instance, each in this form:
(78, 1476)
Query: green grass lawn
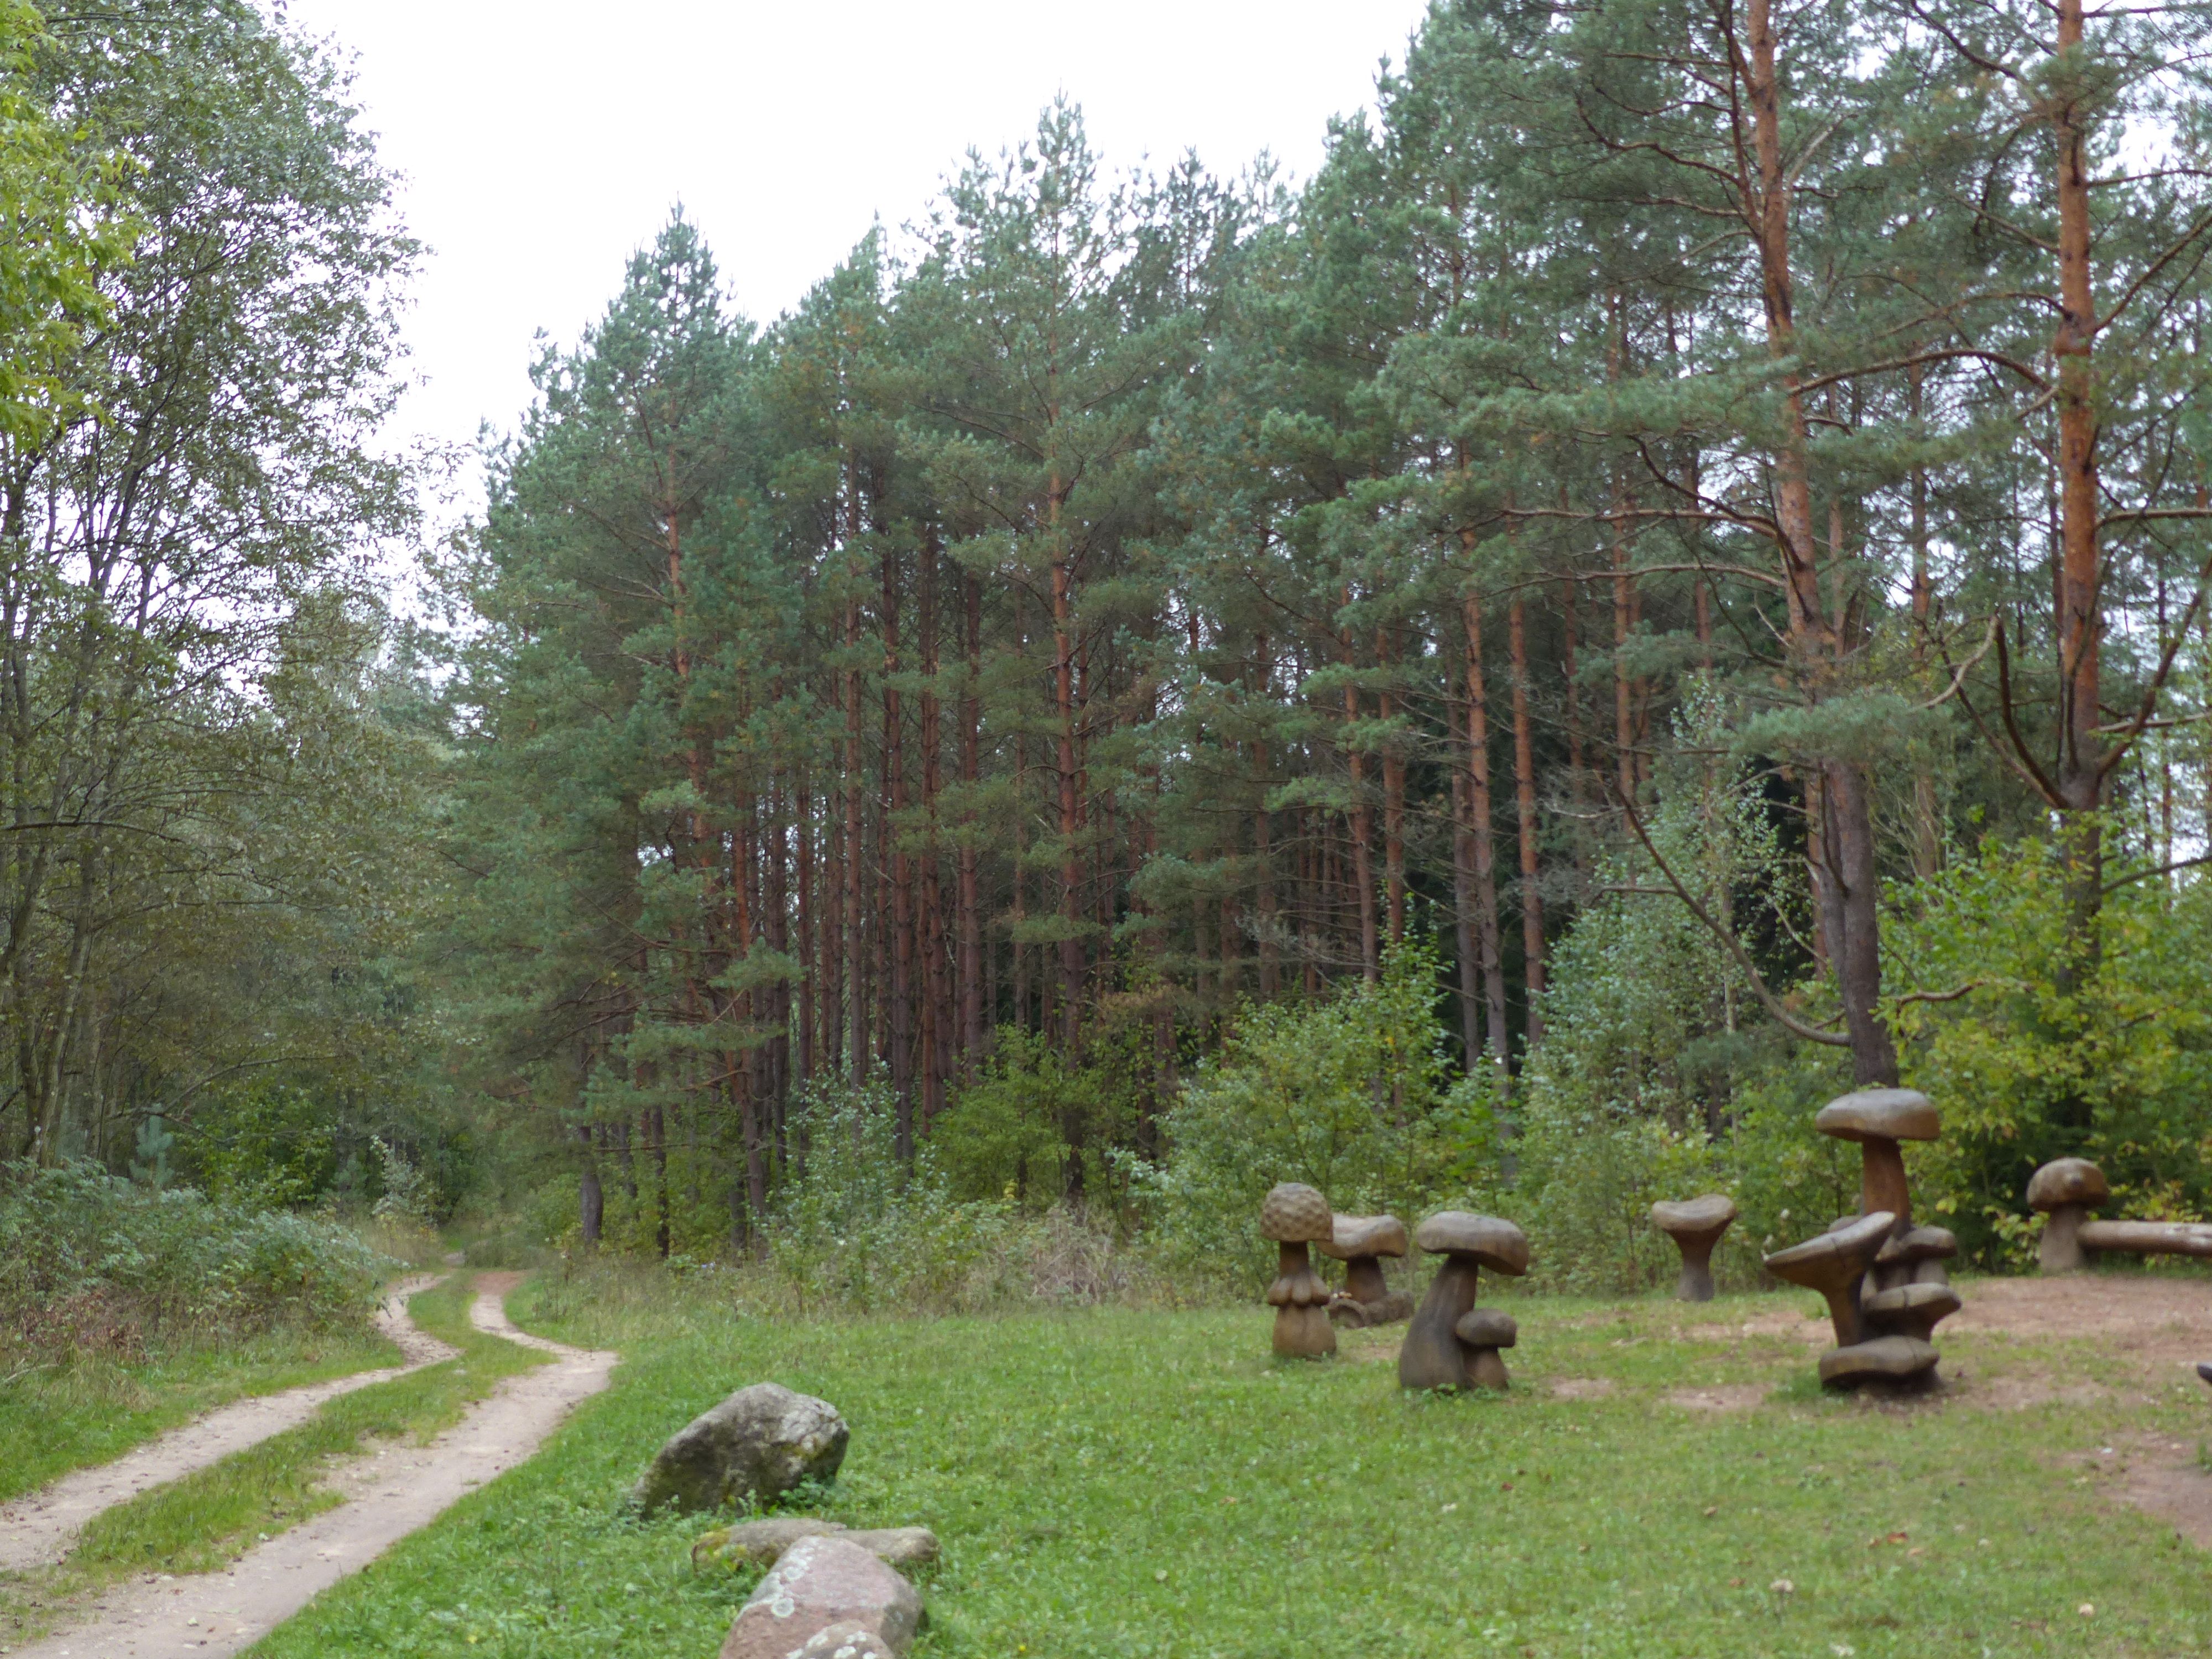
(1119, 1483)
(53, 1421)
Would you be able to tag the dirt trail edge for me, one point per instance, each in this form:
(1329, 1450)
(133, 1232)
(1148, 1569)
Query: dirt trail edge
(388, 1496)
(37, 1528)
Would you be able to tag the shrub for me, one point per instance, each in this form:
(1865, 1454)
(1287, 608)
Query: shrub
(1352, 1096)
(126, 1263)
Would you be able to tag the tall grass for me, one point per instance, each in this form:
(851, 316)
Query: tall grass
(94, 1266)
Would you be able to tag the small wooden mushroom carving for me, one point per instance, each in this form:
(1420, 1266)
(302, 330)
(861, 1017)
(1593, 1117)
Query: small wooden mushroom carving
(1294, 1215)
(1878, 1119)
(1433, 1357)
(1911, 1292)
(1695, 1225)
(1484, 1331)
(1359, 1242)
(2065, 1190)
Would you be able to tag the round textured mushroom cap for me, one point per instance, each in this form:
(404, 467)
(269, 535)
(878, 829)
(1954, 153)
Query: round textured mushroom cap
(1498, 1245)
(1294, 1213)
(1363, 1235)
(1845, 1252)
(1693, 1218)
(2067, 1181)
(1488, 1327)
(1881, 1114)
(1921, 1244)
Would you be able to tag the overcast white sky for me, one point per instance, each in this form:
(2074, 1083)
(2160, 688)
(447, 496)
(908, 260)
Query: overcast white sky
(542, 141)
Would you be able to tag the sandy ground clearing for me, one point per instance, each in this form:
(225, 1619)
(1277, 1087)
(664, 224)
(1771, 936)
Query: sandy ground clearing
(389, 1494)
(37, 1529)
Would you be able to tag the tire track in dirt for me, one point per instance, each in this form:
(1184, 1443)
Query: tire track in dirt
(389, 1494)
(38, 1528)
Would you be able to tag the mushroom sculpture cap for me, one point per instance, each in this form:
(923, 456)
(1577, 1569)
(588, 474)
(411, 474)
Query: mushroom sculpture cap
(1921, 1244)
(1498, 1245)
(1819, 1257)
(1881, 1114)
(1294, 1213)
(1363, 1235)
(1488, 1327)
(1695, 1216)
(2067, 1181)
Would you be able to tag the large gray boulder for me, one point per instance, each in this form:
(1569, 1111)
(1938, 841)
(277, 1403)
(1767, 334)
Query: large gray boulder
(757, 1446)
(826, 1595)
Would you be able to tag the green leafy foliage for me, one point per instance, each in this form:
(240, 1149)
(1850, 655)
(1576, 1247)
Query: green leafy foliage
(87, 1259)
(1354, 1096)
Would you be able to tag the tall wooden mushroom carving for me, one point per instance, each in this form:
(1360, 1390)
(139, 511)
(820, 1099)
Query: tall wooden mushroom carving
(1360, 1242)
(1881, 1327)
(1435, 1355)
(1292, 1216)
(1696, 1225)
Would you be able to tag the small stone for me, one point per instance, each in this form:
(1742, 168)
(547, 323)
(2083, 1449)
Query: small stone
(822, 1586)
(758, 1445)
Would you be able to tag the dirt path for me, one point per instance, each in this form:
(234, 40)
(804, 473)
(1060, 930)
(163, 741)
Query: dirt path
(389, 1494)
(37, 1529)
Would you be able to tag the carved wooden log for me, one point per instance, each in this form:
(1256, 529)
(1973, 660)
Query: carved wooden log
(2148, 1237)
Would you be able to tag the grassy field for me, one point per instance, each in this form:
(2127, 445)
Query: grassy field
(53, 1421)
(1122, 1484)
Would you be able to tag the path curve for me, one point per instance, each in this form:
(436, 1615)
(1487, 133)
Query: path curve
(388, 1495)
(38, 1528)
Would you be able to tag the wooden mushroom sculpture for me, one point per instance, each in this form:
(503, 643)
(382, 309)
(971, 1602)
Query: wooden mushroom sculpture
(2065, 1190)
(1835, 1264)
(1696, 1225)
(1294, 1215)
(1360, 1242)
(1482, 1332)
(1433, 1355)
(1878, 1119)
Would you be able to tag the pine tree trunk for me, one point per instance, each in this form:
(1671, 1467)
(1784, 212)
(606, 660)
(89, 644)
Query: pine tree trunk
(856, 858)
(1524, 795)
(2080, 774)
(1479, 830)
(971, 923)
(900, 1010)
(1363, 826)
(808, 956)
(1849, 903)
